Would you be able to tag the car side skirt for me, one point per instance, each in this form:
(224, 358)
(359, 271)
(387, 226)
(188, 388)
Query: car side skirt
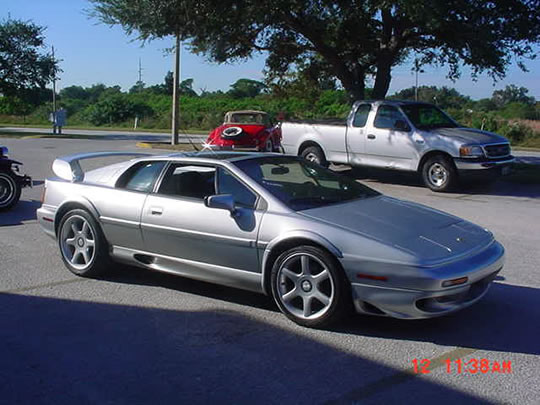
(212, 273)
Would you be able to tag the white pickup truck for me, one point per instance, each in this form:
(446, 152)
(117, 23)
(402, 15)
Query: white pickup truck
(401, 135)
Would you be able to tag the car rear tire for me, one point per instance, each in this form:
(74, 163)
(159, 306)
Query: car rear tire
(315, 154)
(82, 244)
(268, 145)
(439, 173)
(309, 287)
(10, 191)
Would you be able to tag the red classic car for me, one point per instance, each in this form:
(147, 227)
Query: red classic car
(246, 130)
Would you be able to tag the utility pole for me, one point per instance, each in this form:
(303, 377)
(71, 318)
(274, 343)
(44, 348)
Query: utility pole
(54, 96)
(176, 79)
(140, 71)
(416, 83)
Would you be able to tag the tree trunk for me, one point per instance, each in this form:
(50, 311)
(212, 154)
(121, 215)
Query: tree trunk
(353, 82)
(382, 79)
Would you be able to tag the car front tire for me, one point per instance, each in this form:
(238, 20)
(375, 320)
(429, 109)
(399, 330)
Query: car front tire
(82, 244)
(309, 287)
(10, 191)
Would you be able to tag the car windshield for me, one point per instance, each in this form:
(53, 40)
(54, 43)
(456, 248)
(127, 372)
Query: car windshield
(249, 118)
(425, 116)
(302, 185)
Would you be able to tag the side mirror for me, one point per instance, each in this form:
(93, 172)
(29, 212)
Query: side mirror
(401, 125)
(221, 201)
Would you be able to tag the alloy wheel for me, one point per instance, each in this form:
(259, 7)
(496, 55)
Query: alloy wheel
(78, 242)
(305, 286)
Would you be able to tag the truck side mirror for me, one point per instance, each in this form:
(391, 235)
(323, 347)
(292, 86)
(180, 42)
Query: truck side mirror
(401, 125)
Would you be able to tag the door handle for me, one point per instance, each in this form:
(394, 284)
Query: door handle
(371, 136)
(156, 210)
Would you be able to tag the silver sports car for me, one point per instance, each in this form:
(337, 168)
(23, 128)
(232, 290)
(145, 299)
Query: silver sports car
(320, 243)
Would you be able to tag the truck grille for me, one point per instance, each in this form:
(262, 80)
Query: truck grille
(495, 151)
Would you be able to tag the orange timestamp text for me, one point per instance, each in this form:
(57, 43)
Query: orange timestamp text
(471, 366)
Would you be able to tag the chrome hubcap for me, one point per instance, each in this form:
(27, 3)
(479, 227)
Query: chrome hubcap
(305, 287)
(438, 175)
(312, 157)
(77, 242)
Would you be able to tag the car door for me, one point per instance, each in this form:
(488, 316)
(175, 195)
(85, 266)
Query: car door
(120, 207)
(356, 135)
(389, 140)
(198, 241)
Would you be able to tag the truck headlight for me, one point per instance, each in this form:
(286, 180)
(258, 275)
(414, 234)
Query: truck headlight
(471, 151)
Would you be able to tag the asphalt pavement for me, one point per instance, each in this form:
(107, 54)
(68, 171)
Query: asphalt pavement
(114, 135)
(137, 336)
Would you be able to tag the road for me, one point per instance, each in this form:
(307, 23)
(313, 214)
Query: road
(136, 336)
(113, 135)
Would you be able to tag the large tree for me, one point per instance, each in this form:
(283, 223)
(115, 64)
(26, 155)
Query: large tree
(353, 40)
(25, 68)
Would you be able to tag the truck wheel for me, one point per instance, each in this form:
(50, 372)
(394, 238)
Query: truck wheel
(10, 191)
(439, 173)
(314, 154)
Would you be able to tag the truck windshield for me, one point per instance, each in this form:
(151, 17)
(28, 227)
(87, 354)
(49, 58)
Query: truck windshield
(302, 185)
(425, 116)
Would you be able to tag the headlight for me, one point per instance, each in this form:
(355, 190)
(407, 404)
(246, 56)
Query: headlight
(471, 151)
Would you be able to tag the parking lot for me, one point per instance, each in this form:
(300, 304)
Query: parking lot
(137, 336)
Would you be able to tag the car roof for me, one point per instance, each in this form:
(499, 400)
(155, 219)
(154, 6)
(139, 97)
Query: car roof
(213, 156)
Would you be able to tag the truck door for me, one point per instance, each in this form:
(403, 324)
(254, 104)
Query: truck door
(356, 135)
(389, 140)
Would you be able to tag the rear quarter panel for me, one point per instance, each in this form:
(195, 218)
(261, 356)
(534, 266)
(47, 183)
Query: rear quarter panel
(331, 139)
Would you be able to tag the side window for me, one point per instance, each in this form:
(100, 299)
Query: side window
(361, 115)
(228, 184)
(141, 177)
(188, 181)
(387, 116)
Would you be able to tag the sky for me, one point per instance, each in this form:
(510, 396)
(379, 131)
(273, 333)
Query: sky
(92, 52)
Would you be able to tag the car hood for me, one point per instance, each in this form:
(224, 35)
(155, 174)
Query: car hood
(470, 135)
(430, 235)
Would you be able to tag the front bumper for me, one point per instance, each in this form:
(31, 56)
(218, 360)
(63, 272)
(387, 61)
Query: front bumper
(406, 303)
(465, 164)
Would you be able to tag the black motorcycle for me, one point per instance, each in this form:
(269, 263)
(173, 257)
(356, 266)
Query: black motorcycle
(11, 182)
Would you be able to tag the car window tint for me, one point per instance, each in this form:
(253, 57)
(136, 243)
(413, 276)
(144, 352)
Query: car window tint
(228, 184)
(188, 181)
(142, 177)
(387, 116)
(361, 115)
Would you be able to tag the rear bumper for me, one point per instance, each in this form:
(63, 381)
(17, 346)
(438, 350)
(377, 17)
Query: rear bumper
(25, 181)
(45, 216)
(248, 148)
(406, 303)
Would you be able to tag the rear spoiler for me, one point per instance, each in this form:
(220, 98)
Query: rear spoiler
(68, 167)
